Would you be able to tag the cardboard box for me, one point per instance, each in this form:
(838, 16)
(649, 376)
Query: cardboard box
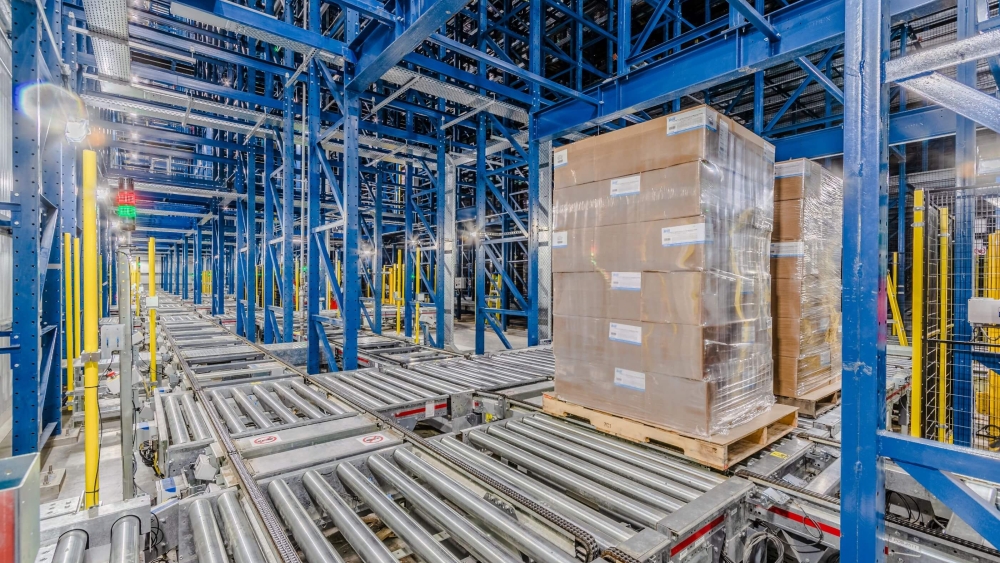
(593, 205)
(614, 341)
(573, 164)
(684, 190)
(797, 376)
(598, 294)
(699, 133)
(675, 245)
(788, 220)
(792, 336)
(679, 403)
(698, 298)
(612, 248)
(791, 297)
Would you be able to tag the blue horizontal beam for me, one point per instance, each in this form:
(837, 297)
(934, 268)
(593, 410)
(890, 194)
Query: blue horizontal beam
(223, 14)
(960, 460)
(904, 127)
(386, 46)
(805, 27)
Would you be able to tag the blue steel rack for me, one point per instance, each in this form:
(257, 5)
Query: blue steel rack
(311, 123)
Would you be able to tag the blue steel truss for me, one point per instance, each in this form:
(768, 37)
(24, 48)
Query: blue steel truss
(341, 127)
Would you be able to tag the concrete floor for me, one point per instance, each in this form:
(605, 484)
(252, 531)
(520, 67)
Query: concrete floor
(465, 338)
(70, 456)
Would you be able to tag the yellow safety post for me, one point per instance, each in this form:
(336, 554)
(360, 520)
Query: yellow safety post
(942, 394)
(152, 310)
(397, 293)
(91, 410)
(70, 329)
(895, 280)
(297, 284)
(917, 379)
(993, 292)
(416, 300)
(897, 318)
(77, 296)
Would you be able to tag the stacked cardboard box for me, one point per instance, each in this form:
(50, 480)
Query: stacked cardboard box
(805, 263)
(660, 258)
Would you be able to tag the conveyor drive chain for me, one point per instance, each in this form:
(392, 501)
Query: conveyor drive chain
(888, 517)
(904, 523)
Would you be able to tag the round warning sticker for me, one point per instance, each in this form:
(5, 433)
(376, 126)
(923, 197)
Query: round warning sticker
(371, 440)
(264, 440)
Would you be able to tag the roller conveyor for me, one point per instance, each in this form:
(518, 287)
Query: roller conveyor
(477, 519)
(209, 522)
(272, 404)
(183, 432)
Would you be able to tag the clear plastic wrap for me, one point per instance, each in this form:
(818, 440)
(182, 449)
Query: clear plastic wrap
(806, 262)
(662, 276)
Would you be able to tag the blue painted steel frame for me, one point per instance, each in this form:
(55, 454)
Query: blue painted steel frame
(35, 330)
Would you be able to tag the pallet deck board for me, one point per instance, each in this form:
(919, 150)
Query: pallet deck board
(720, 451)
(815, 402)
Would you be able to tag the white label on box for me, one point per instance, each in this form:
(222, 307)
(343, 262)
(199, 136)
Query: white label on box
(560, 239)
(625, 186)
(683, 234)
(690, 120)
(560, 158)
(787, 249)
(629, 334)
(631, 379)
(628, 281)
(787, 169)
(824, 358)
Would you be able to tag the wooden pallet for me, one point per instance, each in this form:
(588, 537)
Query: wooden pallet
(815, 402)
(720, 451)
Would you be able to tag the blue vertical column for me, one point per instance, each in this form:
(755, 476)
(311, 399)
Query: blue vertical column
(535, 214)
(864, 291)
(352, 199)
(251, 252)
(408, 250)
(268, 277)
(50, 249)
(177, 269)
(197, 257)
(184, 264)
(377, 256)
(965, 177)
(480, 233)
(439, 262)
(241, 326)
(311, 184)
(26, 231)
(288, 205)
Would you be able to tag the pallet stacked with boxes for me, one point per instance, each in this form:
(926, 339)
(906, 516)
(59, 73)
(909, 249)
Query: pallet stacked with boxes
(805, 267)
(661, 235)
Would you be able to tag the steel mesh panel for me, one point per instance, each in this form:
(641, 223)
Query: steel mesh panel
(109, 18)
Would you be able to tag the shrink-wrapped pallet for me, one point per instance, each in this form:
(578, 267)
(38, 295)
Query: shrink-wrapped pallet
(660, 245)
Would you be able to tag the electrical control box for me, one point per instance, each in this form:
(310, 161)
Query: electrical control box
(112, 339)
(983, 311)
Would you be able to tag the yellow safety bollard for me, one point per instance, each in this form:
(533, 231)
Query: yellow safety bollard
(152, 310)
(70, 329)
(91, 409)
